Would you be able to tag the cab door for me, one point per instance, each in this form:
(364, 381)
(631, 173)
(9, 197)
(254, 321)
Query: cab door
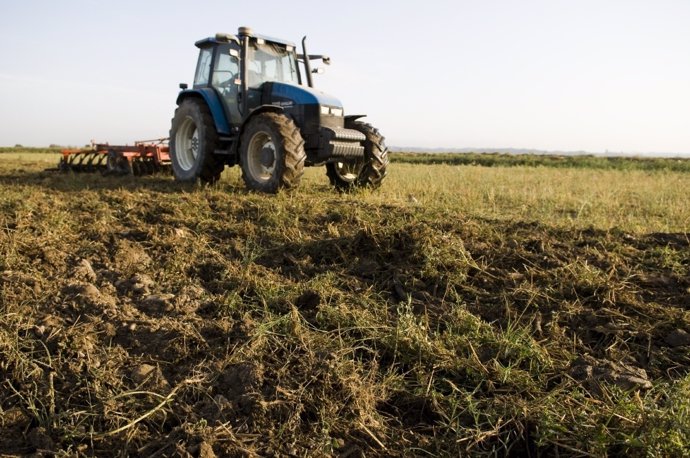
(226, 80)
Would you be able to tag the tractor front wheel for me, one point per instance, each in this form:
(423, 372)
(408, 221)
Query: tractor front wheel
(193, 141)
(367, 172)
(345, 175)
(272, 153)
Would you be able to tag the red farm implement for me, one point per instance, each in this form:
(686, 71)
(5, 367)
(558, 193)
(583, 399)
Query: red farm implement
(143, 158)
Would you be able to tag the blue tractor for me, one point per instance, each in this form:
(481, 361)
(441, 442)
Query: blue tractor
(253, 105)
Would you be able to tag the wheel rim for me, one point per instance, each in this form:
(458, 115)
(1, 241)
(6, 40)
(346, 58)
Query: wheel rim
(187, 144)
(348, 171)
(261, 157)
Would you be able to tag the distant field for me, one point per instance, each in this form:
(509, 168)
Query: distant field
(533, 160)
(475, 304)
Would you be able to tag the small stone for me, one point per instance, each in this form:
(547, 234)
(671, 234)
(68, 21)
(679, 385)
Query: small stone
(142, 372)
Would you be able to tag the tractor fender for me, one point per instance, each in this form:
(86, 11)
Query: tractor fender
(257, 111)
(214, 104)
(351, 118)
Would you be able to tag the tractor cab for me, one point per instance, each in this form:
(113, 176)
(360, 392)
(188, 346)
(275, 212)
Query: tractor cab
(219, 67)
(247, 79)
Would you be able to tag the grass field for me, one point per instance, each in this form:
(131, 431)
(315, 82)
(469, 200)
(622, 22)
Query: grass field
(486, 307)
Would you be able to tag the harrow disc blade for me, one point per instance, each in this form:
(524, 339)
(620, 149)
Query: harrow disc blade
(84, 162)
(117, 164)
(146, 166)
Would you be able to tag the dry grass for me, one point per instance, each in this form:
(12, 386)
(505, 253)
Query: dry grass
(459, 309)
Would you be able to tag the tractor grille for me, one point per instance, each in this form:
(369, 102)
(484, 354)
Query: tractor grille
(346, 149)
(347, 134)
(340, 142)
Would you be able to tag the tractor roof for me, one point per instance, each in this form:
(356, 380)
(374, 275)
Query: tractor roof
(214, 40)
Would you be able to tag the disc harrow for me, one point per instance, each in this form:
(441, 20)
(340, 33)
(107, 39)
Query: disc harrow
(82, 161)
(146, 157)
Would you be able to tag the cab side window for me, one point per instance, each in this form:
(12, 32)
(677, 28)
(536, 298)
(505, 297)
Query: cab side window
(226, 71)
(203, 68)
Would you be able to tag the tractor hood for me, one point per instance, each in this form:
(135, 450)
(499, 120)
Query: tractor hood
(285, 94)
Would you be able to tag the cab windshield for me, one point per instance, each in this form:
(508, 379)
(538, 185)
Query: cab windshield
(271, 62)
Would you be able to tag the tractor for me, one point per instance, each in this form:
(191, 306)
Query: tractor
(252, 104)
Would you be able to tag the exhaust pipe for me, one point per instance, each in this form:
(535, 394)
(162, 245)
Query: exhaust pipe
(307, 64)
(244, 33)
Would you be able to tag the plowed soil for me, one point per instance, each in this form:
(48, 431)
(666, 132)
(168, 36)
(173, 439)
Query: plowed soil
(141, 317)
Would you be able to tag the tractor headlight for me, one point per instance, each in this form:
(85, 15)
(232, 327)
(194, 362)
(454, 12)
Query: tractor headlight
(334, 111)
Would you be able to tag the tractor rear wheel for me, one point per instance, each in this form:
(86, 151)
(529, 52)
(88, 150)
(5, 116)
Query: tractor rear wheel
(367, 172)
(193, 140)
(272, 153)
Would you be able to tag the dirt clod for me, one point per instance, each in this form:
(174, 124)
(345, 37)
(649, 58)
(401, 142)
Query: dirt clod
(131, 257)
(10, 276)
(88, 294)
(84, 271)
(593, 372)
(677, 338)
(138, 284)
(206, 450)
(41, 440)
(158, 303)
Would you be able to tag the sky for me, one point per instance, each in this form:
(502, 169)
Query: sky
(558, 75)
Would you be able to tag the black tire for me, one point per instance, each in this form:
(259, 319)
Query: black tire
(369, 172)
(345, 175)
(193, 140)
(272, 153)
